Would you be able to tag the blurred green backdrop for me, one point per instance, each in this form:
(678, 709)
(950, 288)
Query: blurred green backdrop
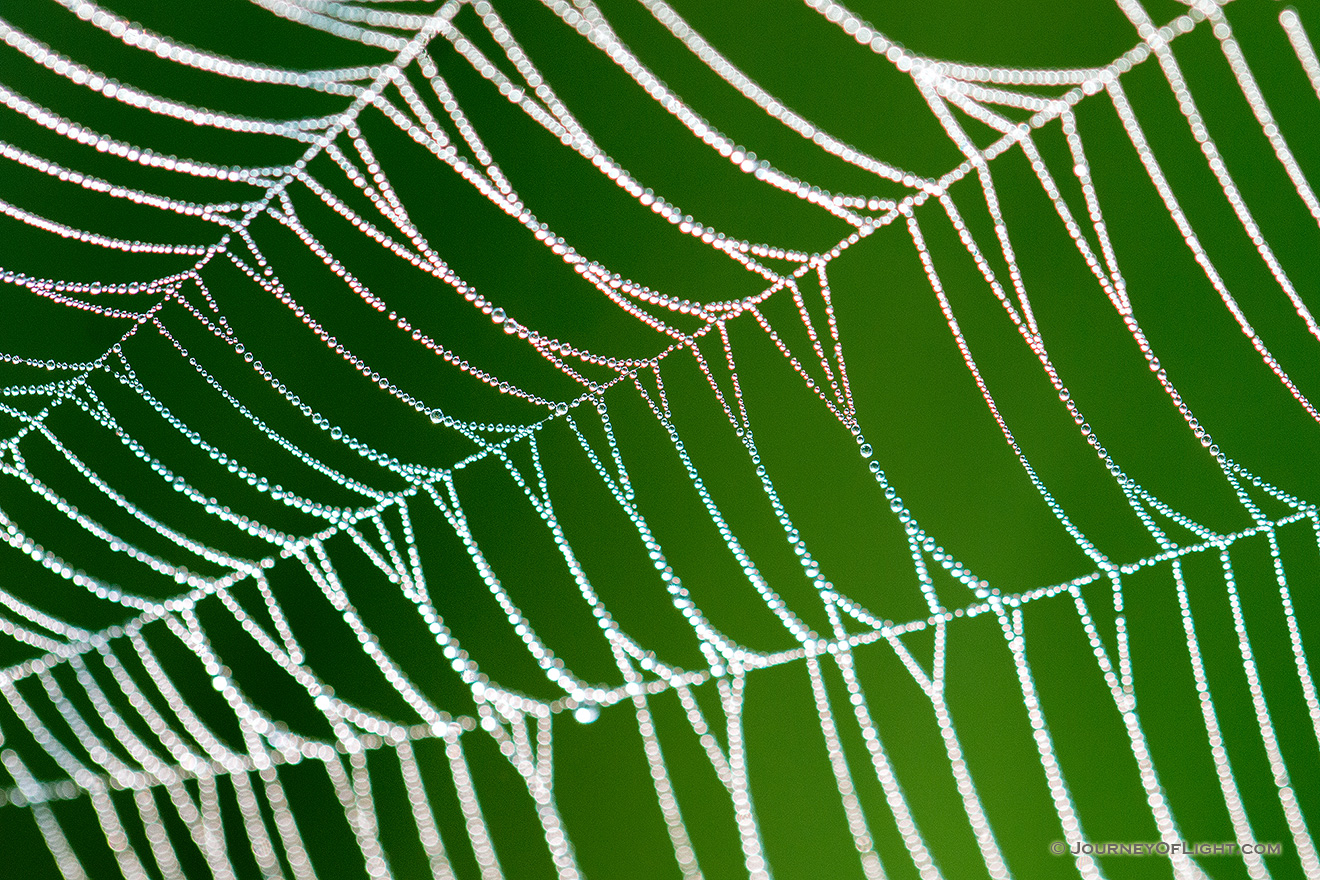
(916, 401)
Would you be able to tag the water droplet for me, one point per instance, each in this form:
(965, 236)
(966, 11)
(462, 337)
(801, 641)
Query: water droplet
(586, 713)
(866, 450)
(875, 467)
(336, 433)
(497, 316)
(561, 409)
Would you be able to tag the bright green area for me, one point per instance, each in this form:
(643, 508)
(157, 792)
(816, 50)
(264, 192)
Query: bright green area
(917, 404)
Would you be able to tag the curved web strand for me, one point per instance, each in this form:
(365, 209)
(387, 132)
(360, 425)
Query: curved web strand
(206, 760)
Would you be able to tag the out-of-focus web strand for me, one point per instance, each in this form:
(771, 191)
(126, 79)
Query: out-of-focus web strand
(954, 80)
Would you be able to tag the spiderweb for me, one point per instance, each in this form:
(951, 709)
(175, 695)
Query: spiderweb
(398, 484)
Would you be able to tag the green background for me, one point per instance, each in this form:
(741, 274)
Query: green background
(917, 406)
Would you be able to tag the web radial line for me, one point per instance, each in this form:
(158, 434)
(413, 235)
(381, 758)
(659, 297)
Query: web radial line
(1295, 633)
(294, 850)
(465, 129)
(809, 566)
(170, 778)
(1292, 812)
(935, 99)
(602, 36)
(377, 864)
(335, 711)
(328, 580)
(135, 36)
(1147, 156)
(162, 850)
(211, 213)
(719, 761)
(93, 238)
(884, 771)
(1064, 806)
(66, 860)
(880, 628)
(1113, 285)
(201, 734)
(684, 853)
(263, 848)
(773, 601)
(363, 225)
(711, 57)
(202, 818)
(1120, 688)
(1301, 43)
(1223, 769)
(61, 65)
(107, 816)
(928, 265)
(563, 125)
(1083, 174)
(362, 825)
(972, 806)
(276, 612)
(838, 384)
(540, 654)
(619, 641)
(116, 724)
(146, 157)
(534, 764)
(731, 695)
(427, 831)
(1116, 290)
(477, 831)
(852, 808)
(1187, 107)
(832, 405)
(1251, 90)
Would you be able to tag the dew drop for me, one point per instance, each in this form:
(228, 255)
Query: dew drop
(336, 433)
(586, 713)
(866, 450)
(498, 316)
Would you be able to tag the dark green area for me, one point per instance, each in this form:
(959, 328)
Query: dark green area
(917, 405)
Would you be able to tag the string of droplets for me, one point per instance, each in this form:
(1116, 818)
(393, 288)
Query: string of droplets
(513, 707)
